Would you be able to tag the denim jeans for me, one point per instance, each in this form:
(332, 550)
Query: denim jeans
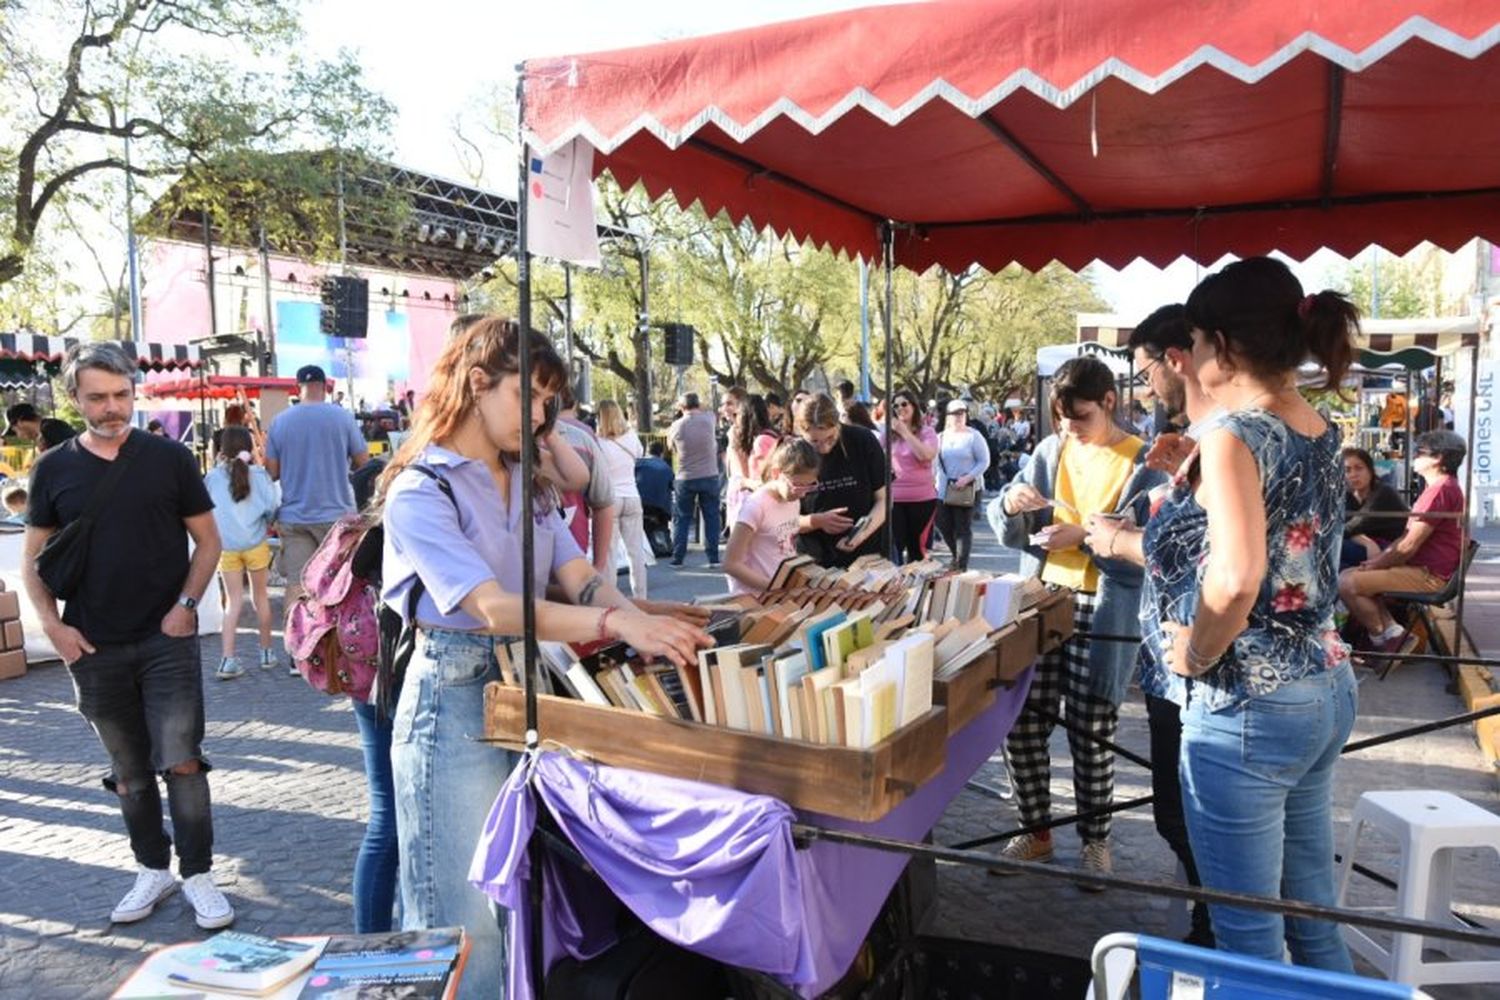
(1165, 722)
(1256, 782)
(375, 867)
(145, 702)
(705, 492)
(446, 783)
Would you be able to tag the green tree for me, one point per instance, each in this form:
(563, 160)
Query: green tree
(1390, 287)
(978, 331)
(178, 80)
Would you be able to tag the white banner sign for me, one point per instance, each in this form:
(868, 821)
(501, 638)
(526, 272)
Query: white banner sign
(560, 220)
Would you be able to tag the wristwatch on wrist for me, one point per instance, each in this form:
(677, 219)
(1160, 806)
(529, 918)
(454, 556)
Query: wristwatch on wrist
(191, 603)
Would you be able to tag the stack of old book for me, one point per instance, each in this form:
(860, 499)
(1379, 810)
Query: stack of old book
(834, 657)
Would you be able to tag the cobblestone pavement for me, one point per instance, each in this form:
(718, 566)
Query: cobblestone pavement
(289, 804)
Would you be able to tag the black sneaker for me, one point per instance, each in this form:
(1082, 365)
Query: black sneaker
(675, 562)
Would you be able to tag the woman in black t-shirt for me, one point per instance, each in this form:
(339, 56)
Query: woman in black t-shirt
(844, 517)
(1369, 528)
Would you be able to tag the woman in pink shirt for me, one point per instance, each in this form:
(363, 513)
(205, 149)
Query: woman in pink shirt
(751, 439)
(914, 445)
(765, 532)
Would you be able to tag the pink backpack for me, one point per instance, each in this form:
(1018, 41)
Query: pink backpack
(332, 633)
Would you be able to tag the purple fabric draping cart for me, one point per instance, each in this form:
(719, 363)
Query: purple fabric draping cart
(708, 867)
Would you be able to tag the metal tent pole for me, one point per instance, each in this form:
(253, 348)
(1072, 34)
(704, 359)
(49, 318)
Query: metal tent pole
(528, 533)
(864, 330)
(1406, 445)
(888, 247)
(1463, 550)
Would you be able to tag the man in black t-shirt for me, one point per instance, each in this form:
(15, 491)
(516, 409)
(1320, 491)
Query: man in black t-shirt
(129, 635)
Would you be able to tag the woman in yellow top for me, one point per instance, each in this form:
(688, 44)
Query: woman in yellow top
(1090, 466)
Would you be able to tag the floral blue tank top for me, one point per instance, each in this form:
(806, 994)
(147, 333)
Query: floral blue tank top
(1291, 632)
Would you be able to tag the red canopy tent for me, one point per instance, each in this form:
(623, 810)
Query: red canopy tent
(972, 132)
(1033, 130)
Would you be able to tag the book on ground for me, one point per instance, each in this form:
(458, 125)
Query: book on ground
(234, 960)
(412, 965)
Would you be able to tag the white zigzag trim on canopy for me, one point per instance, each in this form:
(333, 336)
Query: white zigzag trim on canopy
(1414, 28)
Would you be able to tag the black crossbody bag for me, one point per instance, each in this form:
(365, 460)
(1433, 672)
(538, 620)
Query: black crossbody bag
(65, 554)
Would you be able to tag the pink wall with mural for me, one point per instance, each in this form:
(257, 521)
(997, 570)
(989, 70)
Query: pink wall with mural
(176, 311)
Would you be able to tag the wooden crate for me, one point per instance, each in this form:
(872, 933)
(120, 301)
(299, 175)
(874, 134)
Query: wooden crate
(1056, 614)
(12, 664)
(1018, 648)
(969, 692)
(852, 784)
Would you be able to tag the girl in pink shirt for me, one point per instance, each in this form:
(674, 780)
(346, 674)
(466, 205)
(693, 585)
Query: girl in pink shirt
(765, 531)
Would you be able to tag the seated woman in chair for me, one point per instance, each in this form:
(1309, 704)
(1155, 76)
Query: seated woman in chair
(1426, 554)
(1368, 505)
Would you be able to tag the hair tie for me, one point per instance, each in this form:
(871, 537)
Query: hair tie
(1305, 307)
(244, 456)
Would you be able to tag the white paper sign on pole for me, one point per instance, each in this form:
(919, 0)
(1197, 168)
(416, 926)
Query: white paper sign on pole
(560, 213)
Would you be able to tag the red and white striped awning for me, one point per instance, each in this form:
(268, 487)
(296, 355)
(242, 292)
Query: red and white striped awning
(33, 347)
(994, 131)
(1438, 336)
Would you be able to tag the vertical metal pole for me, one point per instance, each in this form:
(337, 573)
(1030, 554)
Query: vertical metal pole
(136, 334)
(888, 246)
(344, 270)
(208, 256)
(528, 540)
(864, 329)
(643, 419)
(568, 314)
(1406, 448)
(265, 343)
(1463, 551)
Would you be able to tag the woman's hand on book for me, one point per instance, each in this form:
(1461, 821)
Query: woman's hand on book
(658, 635)
(1022, 499)
(1062, 536)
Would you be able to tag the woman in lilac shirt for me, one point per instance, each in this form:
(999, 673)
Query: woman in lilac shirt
(913, 446)
(466, 553)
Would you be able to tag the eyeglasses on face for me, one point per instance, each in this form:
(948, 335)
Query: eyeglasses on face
(1143, 377)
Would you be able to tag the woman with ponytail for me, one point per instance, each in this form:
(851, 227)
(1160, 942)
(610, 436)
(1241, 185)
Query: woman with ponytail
(1241, 580)
(463, 547)
(245, 501)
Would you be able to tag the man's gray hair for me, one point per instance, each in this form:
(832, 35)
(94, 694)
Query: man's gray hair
(101, 355)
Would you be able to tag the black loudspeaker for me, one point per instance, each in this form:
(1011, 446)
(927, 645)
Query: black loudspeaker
(679, 338)
(346, 307)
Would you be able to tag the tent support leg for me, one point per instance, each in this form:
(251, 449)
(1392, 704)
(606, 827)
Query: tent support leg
(528, 534)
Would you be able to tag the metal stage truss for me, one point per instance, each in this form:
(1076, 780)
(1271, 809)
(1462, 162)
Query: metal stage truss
(433, 227)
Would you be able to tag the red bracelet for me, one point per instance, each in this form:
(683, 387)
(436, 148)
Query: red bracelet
(603, 620)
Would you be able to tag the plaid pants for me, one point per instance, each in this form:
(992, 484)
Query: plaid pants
(1063, 676)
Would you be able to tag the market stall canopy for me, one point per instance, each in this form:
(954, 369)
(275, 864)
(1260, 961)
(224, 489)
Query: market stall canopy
(1409, 343)
(1034, 130)
(34, 347)
(216, 387)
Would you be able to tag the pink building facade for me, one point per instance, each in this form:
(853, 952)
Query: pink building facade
(408, 315)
